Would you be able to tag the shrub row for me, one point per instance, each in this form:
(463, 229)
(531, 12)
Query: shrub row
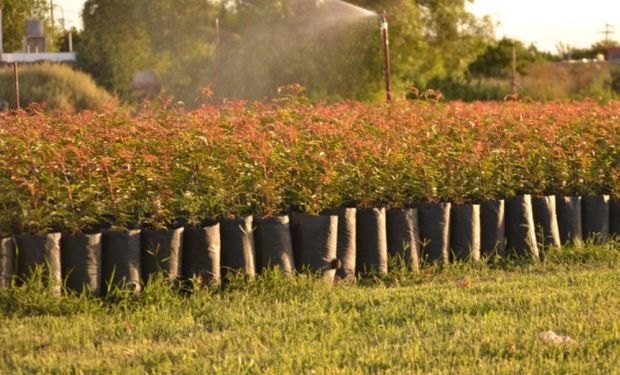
(52, 86)
(166, 166)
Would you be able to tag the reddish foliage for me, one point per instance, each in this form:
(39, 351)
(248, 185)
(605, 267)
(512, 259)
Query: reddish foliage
(70, 171)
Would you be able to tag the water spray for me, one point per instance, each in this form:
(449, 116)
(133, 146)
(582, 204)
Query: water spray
(386, 54)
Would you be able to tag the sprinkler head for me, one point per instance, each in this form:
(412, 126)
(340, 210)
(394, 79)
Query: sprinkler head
(384, 22)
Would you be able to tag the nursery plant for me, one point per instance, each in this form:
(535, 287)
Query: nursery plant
(165, 166)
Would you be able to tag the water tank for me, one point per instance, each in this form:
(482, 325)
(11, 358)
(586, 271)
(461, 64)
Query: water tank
(146, 83)
(35, 28)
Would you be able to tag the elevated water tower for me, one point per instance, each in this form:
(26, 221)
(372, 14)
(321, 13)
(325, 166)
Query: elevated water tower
(34, 47)
(35, 40)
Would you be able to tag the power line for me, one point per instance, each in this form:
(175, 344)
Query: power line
(609, 30)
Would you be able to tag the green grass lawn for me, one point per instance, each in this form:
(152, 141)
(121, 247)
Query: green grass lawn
(462, 319)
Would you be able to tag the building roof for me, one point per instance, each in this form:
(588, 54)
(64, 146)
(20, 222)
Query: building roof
(57, 57)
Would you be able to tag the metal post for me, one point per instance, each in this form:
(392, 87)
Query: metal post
(16, 78)
(1, 35)
(52, 12)
(70, 41)
(386, 55)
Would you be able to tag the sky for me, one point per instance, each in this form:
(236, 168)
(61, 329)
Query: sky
(547, 22)
(577, 23)
(72, 10)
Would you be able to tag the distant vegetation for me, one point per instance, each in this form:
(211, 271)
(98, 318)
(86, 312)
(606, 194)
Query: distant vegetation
(242, 49)
(540, 81)
(331, 48)
(56, 87)
(539, 75)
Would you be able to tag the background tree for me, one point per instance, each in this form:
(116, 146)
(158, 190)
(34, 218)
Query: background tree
(332, 49)
(114, 43)
(496, 61)
(174, 38)
(566, 51)
(62, 42)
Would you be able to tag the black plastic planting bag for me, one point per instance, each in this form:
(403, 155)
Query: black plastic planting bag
(238, 251)
(403, 235)
(614, 217)
(274, 246)
(81, 263)
(372, 255)
(434, 222)
(595, 217)
(546, 221)
(465, 231)
(40, 251)
(7, 259)
(492, 228)
(520, 229)
(161, 252)
(121, 260)
(315, 242)
(201, 253)
(347, 244)
(568, 211)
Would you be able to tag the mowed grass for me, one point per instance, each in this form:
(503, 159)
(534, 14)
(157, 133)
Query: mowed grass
(460, 319)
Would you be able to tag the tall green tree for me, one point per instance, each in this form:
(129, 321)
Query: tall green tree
(174, 38)
(114, 43)
(331, 47)
(496, 61)
(432, 38)
(274, 43)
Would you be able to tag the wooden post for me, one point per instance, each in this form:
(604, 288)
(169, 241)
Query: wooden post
(1, 35)
(217, 32)
(514, 70)
(16, 78)
(386, 55)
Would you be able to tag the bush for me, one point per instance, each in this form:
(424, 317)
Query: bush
(57, 87)
(578, 81)
(470, 89)
(68, 172)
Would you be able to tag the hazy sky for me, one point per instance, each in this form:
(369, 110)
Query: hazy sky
(543, 22)
(72, 10)
(547, 22)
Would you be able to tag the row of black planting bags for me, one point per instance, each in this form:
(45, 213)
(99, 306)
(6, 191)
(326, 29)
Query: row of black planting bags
(340, 242)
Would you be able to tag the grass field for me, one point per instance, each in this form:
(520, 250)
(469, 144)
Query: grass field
(461, 319)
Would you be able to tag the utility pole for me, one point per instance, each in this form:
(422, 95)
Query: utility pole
(52, 12)
(16, 78)
(217, 32)
(514, 70)
(609, 30)
(1, 35)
